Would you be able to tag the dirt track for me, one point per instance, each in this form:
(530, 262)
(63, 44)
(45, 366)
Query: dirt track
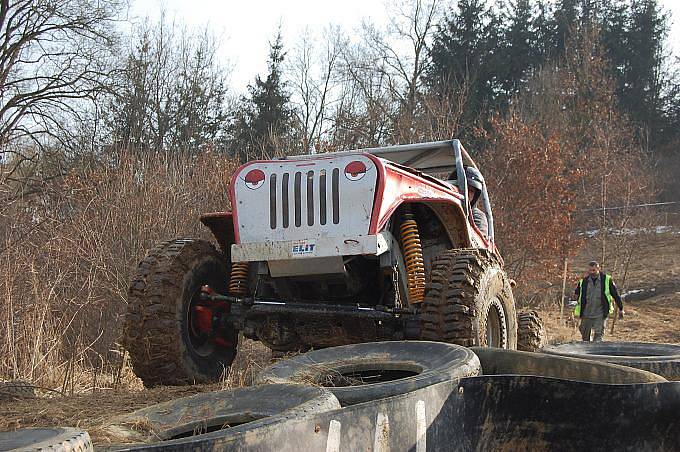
(652, 302)
(653, 315)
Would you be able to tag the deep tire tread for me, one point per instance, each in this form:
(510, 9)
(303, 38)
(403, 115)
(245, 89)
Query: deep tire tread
(449, 311)
(530, 332)
(151, 332)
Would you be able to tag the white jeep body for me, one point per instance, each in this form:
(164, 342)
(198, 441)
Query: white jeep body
(315, 209)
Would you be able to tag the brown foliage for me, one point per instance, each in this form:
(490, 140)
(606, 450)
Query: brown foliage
(66, 256)
(563, 151)
(528, 176)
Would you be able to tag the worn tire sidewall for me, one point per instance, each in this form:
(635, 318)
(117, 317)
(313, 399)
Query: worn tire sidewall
(494, 285)
(666, 363)
(436, 365)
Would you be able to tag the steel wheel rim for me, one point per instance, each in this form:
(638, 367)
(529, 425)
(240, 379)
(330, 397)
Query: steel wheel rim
(495, 333)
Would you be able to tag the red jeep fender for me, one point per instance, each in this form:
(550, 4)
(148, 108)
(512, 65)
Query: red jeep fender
(221, 224)
(397, 186)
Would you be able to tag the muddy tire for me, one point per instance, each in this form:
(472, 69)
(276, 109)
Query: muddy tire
(360, 373)
(158, 332)
(530, 331)
(16, 389)
(661, 359)
(230, 411)
(468, 301)
(56, 439)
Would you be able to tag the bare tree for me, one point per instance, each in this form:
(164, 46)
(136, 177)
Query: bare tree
(314, 82)
(53, 56)
(172, 91)
(385, 71)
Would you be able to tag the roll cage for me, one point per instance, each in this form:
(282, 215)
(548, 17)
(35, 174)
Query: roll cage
(436, 160)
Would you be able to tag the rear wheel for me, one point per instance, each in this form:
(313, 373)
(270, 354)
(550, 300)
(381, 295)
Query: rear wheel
(530, 331)
(468, 301)
(167, 324)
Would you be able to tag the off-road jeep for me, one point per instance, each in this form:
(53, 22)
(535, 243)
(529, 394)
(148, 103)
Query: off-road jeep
(324, 250)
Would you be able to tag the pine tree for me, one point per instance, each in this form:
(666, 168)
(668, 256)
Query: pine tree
(615, 24)
(544, 32)
(460, 56)
(640, 88)
(565, 20)
(519, 52)
(265, 115)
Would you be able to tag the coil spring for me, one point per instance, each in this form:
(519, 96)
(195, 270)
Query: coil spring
(413, 257)
(238, 282)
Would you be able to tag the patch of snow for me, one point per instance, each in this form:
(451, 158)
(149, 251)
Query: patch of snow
(590, 233)
(631, 292)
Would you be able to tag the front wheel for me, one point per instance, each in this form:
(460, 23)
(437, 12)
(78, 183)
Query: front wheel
(469, 302)
(166, 322)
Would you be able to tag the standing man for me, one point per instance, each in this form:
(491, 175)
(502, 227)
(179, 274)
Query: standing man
(596, 294)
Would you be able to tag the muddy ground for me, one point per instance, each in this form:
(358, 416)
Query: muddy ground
(653, 314)
(651, 289)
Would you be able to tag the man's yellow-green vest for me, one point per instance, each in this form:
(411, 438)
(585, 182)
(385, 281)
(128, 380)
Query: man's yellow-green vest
(609, 293)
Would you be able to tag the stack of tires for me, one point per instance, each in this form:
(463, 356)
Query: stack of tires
(409, 395)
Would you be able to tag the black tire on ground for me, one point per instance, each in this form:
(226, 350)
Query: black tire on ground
(661, 359)
(16, 389)
(231, 411)
(513, 362)
(530, 331)
(55, 439)
(162, 348)
(468, 301)
(374, 370)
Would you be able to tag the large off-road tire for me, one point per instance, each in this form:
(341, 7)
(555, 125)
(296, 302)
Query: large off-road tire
(530, 331)
(231, 411)
(468, 301)
(370, 371)
(158, 327)
(55, 439)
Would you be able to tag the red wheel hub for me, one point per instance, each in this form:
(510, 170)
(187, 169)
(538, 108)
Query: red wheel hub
(203, 318)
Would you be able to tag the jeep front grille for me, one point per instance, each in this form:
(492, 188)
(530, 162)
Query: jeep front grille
(314, 182)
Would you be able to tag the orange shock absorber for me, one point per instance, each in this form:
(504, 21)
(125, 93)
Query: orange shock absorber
(238, 282)
(413, 257)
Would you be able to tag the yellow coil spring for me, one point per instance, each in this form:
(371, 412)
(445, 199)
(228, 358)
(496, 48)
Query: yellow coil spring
(238, 282)
(413, 256)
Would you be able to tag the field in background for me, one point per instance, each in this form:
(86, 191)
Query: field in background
(650, 283)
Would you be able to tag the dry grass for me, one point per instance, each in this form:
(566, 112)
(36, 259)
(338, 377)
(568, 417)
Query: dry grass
(95, 411)
(67, 253)
(641, 252)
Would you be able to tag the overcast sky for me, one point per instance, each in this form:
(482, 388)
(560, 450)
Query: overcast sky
(247, 26)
